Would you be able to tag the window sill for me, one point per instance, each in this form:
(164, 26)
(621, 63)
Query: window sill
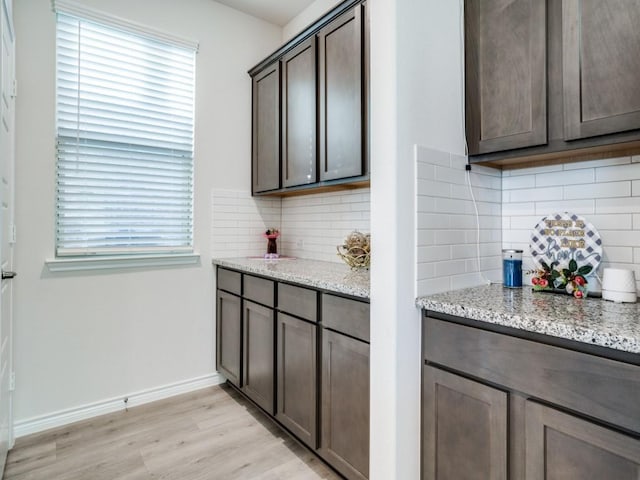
(120, 261)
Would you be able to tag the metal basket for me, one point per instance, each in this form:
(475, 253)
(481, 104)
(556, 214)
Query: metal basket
(354, 257)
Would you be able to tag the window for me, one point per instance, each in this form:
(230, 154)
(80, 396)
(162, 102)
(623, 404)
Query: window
(125, 108)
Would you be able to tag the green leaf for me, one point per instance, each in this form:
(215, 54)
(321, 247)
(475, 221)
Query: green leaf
(544, 265)
(573, 265)
(585, 270)
(566, 273)
(555, 274)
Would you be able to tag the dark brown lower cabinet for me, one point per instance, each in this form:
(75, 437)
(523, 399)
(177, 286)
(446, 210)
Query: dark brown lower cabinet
(344, 434)
(258, 358)
(297, 377)
(229, 336)
(499, 406)
(561, 446)
(465, 428)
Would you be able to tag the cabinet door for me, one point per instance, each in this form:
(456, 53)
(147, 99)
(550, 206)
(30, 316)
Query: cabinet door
(266, 129)
(297, 377)
(229, 336)
(299, 115)
(464, 431)
(341, 81)
(505, 59)
(344, 435)
(258, 361)
(564, 447)
(601, 66)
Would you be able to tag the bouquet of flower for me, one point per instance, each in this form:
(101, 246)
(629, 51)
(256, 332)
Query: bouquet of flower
(571, 279)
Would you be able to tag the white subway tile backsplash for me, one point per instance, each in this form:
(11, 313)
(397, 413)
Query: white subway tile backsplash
(447, 224)
(613, 254)
(597, 190)
(524, 181)
(434, 220)
(575, 177)
(581, 207)
(451, 175)
(619, 238)
(458, 162)
(238, 221)
(510, 209)
(605, 162)
(314, 225)
(533, 170)
(311, 226)
(606, 192)
(536, 194)
(630, 171)
(434, 254)
(450, 267)
(426, 171)
(618, 205)
(525, 222)
(434, 188)
(612, 221)
(448, 237)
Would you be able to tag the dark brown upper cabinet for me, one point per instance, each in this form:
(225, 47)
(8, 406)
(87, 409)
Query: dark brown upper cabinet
(505, 74)
(299, 115)
(551, 81)
(601, 67)
(341, 82)
(318, 138)
(266, 129)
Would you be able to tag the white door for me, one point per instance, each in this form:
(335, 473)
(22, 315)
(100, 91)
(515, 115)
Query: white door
(7, 157)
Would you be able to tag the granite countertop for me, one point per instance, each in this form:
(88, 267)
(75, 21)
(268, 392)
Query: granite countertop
(591, 320)
(334, 277)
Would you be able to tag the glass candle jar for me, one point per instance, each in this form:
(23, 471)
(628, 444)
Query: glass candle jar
(512, 268)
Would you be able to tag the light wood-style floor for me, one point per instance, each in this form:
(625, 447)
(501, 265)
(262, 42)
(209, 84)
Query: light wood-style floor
(213, 433)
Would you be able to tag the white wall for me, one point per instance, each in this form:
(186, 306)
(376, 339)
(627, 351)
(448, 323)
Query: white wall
(306, 17)
(85, 337)
(605, 192)
(416, 99)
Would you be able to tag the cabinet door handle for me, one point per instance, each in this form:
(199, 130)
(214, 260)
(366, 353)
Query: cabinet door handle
(8, 275)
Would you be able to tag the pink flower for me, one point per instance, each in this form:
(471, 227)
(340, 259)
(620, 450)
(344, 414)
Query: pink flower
(535, 280)
(578, 294)
(580, 280)
(543, 282)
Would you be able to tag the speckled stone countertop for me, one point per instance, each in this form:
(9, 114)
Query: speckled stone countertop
(591, 320)
(335, 277)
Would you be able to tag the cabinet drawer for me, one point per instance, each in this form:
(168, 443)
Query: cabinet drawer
(595, 386)
(230, 281)
(346, 316)
(298, 301)
(259, 290)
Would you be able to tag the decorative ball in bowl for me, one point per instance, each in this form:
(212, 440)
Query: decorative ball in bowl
(356, 250)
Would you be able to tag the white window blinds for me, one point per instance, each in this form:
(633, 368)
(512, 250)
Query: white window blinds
(125, 107)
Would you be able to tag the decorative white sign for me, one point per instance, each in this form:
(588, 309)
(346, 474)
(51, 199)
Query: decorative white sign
(561, 237)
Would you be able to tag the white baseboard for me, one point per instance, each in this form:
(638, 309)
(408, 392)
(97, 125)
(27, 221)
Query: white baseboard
(83, 412)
